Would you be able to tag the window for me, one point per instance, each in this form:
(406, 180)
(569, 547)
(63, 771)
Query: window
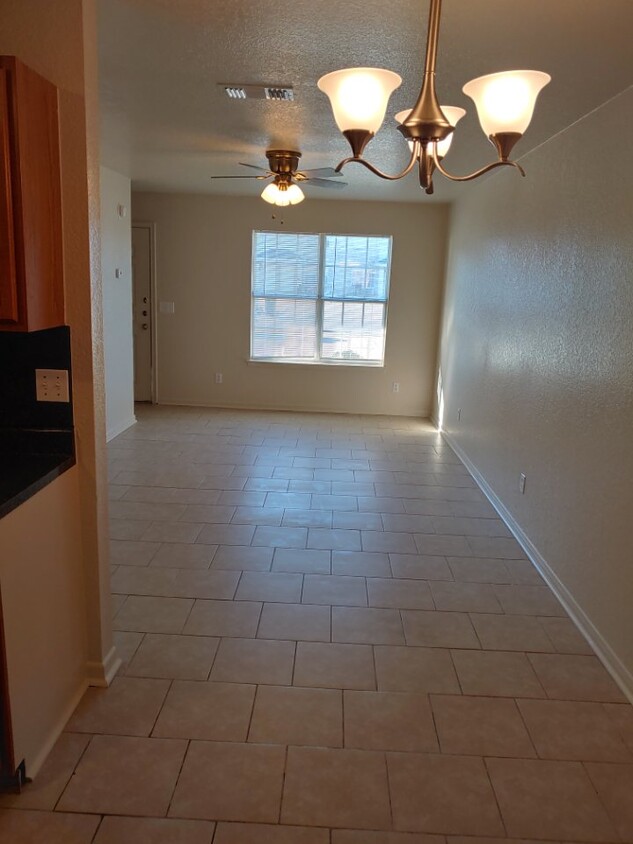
(319, 298)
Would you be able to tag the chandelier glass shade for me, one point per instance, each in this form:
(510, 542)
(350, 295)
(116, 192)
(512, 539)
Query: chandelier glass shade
(504, 101)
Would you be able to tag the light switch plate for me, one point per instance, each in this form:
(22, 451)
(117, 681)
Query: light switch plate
(52, 385)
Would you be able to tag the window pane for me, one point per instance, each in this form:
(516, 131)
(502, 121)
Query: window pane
(356, 267)
(353, 331)
(286, 264)
(283, 328)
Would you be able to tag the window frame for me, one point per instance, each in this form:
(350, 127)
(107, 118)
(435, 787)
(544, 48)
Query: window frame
(320, 299)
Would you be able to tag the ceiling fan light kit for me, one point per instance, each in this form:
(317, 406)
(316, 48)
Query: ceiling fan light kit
(504, 101)
(282, 194)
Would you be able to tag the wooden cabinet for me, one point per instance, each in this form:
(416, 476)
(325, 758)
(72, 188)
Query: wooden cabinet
(31, 257)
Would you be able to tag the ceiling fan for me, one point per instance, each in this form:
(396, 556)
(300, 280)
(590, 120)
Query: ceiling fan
(283, 169)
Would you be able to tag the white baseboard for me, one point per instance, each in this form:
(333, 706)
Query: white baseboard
(412, 414)
(605, 653)
(102, 673)
(34, 765)
(117, 429)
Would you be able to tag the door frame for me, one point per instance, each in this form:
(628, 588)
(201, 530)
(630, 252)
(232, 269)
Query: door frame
(151, 226)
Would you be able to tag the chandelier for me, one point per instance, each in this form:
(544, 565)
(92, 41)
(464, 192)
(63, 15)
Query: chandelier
(504, 101)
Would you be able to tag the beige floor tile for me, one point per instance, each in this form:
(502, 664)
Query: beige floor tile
(389, 721)
(302, 560)
(307, 518)
(380, 504)
(127, 708)
(116, 602)
(621, 714)
(360, 563)
(297, 716)
(442, 794)
(243, 558)
(206, 711)
(524, 572)
(233, 782)
(480, 726)
(528, 600)
(153, 615)
(334, 666)
(415, 670)
(146, 510)
(280, 537)
(341, 788)
(174, 657)
(420, 567)
(214, 514)
(127, 553)
(494, 546)
(479, 570)
(367, 626)
(254, 661)
(399, 594)
(226, 535)
(389, 542)
(115, 830)
(496, 674)
(439, 629)
(236, 498)
(574, 677)
(126, 529)
(184, 556)
(511, 633)
(349, 520)
(223, 618)
(134, 580)
(289, 500)
(44, 791)
(50, 827)
(179, 532)
(464, 597)
(126, 645)
(548, 800)
(269, 586)
(408, 523)
(334, 590)
(573, 730)
(442, 545)
(125, 776)
(197, 583)
(351, 836)
(295, 622)
(565, 636)
(614, 784)
(335, 540)
(251, 833)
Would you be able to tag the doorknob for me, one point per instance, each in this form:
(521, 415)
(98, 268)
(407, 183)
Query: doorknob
(144, 326)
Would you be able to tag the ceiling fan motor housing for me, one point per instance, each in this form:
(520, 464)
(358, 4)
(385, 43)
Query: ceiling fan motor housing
(283, 161)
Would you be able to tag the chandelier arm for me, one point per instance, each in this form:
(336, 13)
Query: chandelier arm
(477, 173)
(376, 171)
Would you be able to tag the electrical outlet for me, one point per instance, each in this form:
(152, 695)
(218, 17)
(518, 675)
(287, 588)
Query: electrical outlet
(52, 385)
(395, 387)
(522, 479)
(218, 377)
(459, 414)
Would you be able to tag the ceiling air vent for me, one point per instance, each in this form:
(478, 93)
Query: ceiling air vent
(280, 93)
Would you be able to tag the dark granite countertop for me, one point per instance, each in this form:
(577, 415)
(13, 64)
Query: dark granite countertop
(29, 460)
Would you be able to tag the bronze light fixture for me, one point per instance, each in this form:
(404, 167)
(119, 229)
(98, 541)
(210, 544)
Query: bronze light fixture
(505, 104)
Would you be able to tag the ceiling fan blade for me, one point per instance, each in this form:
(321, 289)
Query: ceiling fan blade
(325, 172)
(239, 177)
(254, 167)
(325, 183)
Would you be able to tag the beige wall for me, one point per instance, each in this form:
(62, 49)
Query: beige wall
(203, 254)
(537, 351)
(59, 41)
(116, 254)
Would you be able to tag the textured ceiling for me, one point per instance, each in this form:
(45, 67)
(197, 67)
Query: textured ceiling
(166, 124)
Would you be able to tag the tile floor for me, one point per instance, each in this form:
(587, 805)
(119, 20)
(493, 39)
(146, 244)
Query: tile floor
(329, 637)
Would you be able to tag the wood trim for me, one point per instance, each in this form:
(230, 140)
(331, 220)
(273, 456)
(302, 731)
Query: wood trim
(8, 279)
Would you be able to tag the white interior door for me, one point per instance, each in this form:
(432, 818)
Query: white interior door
(142, 312)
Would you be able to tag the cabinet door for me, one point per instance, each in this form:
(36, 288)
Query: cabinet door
(8, 281)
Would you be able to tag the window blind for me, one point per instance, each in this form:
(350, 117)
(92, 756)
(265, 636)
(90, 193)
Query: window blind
(319, 297)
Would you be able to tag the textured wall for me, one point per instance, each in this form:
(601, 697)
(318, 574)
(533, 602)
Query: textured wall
(116, 253)
(537, 351)
(203, 249)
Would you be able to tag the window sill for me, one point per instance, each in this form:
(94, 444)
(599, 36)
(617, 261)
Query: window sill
(292, 362)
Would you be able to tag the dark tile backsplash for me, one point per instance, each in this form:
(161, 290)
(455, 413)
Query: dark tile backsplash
(20, 355)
